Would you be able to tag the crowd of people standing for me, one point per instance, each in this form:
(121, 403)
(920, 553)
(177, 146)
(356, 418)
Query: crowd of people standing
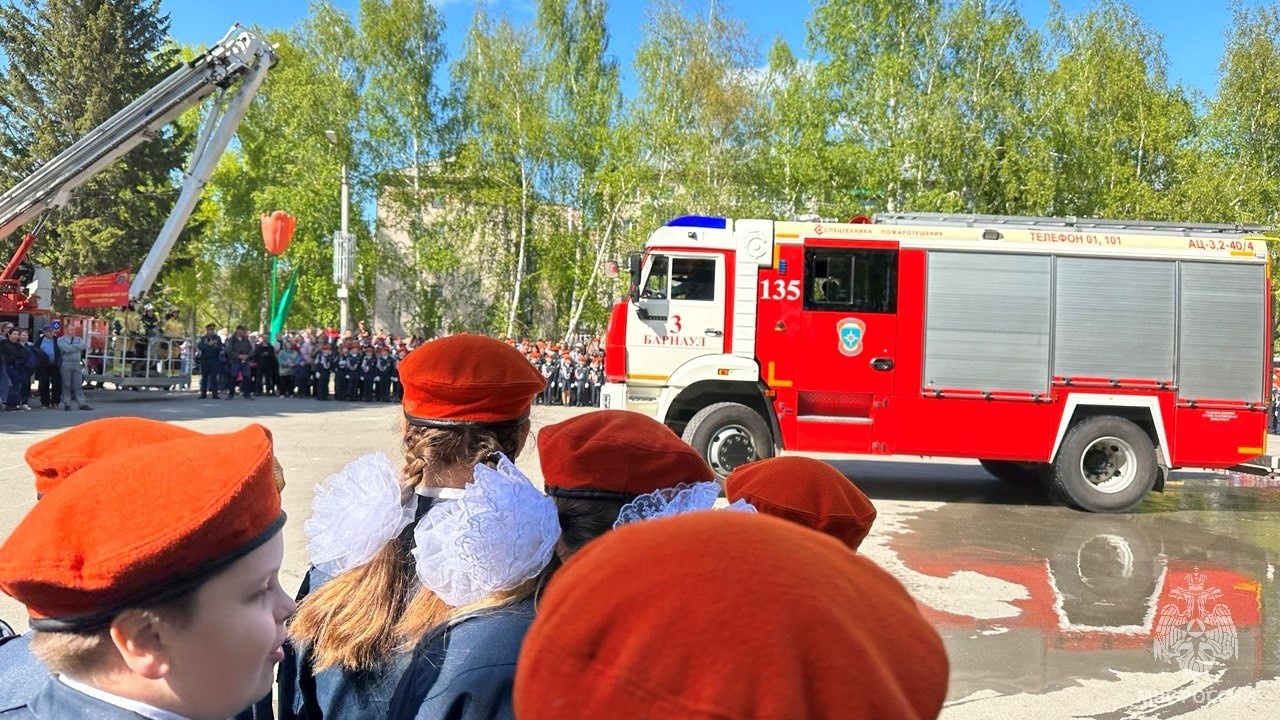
(55, 362)
(363, 366)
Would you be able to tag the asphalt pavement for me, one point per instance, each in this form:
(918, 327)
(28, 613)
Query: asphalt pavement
(1045, 611)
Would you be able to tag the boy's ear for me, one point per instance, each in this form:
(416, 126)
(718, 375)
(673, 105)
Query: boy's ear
(140, 638)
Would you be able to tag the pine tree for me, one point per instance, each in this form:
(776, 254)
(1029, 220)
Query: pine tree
(71, 64)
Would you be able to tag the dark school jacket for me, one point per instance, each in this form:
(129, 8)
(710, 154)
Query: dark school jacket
(21, 674)
(334, 693)
(465, 671)
(56, 701)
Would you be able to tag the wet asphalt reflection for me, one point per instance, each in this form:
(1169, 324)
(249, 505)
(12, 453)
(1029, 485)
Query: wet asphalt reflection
(1176, 602)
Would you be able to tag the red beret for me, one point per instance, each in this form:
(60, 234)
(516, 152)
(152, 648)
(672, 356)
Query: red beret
(615, 453)
(467, 380)
(149, 524)
(805, 491)
(54, 458)
(727, 616)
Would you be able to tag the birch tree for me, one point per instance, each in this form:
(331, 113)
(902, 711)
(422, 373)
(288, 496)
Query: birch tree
(500, 83)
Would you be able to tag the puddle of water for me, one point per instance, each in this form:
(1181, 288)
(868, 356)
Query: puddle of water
(1038, 600)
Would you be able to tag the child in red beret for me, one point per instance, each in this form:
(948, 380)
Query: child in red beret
(362, 606)
(53, 460)
(727, 616)
(595, 464)
(805, 491)
(152, 586)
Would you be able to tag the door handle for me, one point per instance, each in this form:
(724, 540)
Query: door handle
(882, 364)
(714, 332)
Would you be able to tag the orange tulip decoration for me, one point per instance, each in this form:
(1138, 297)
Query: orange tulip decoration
(277, 231)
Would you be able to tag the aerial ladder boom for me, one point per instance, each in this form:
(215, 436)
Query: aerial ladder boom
(234, 67)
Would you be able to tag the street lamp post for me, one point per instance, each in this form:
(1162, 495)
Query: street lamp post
(343, 306)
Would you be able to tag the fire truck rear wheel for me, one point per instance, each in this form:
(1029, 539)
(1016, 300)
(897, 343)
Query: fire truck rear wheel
(727, 435)
(1105, 464)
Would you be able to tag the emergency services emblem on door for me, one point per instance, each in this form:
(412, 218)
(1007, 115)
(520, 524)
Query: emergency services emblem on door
(851, 331)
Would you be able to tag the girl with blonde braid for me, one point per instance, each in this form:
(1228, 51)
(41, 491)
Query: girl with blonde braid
(362, 607)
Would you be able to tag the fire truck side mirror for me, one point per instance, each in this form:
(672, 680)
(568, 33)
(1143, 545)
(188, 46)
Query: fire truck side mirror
(635, 262)
(611, 269)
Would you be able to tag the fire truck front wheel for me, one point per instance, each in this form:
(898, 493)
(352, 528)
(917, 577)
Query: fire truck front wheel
(727, 435)
(1105, 464)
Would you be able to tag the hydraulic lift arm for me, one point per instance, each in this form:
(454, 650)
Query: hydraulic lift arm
(234, 68)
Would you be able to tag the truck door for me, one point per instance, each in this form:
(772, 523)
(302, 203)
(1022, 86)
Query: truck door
(679, 316)
(848, 334)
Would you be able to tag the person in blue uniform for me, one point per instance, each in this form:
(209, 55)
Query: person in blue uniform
(595, 378)
(177, 612)
(368, 375)
(579, 389)
(382, 375)
(548, 369)
(468, 672)
(209, 353)
(322, 369)
(341, 370)
(361, 607)
(397, 388)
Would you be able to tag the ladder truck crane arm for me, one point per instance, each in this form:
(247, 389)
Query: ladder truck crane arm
(233, 68)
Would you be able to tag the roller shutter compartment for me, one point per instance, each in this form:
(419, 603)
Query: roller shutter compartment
(987, 322)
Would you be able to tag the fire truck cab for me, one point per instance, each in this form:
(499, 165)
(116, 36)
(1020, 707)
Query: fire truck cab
(1091, 355)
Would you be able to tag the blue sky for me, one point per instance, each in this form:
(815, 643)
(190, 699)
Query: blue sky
(1192, 29)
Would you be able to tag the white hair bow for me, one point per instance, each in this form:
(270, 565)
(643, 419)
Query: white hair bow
(676, 500)
(355, 513)
(500, 533)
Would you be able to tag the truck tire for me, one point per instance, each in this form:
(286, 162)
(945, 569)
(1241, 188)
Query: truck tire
(1023, 474)
(727, 435)
(1105, 464)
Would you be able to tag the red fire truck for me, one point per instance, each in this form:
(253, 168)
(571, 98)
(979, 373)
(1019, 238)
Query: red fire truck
(1091, 355)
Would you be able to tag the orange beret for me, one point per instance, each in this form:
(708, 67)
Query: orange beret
(805, 491)
(727, 616)
(615, 453)
(150, 524)
(468, 380)
(54, 458)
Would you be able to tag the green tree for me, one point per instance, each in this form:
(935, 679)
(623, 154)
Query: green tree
(928, 105)
(71, 64)
(693, 111)
(282, 161)
(590, 176)
(503, 151)
(1237, 177)
(1113, 121)
(401, 52)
